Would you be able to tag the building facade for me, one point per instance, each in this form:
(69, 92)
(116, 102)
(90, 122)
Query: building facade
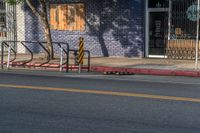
(130, 28)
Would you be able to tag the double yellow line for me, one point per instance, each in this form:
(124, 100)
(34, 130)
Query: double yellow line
(98, 92)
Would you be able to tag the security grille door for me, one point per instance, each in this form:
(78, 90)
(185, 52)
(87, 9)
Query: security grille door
(183, 29)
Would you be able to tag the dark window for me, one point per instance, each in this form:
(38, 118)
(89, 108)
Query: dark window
(183, 19)
(158, 4)
(2, 5)
(2, 19)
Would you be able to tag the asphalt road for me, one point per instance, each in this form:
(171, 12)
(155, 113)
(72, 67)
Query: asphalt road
(98, 104)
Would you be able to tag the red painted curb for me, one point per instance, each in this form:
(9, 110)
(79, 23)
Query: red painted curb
(49, 66)
(144, 71)
(187, 73)
(147, 71)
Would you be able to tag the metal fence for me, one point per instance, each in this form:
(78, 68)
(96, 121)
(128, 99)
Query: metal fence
(22, 42)
(7, 22)
(182, 33)
(183, 16)
(66, 59)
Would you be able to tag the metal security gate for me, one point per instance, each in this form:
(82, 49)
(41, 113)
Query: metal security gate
(7, 22)
(182, 29)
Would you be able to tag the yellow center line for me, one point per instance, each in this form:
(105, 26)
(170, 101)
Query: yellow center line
(112, 93)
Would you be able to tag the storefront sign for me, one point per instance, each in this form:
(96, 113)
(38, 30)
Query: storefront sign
(192, 13)
(158, 28)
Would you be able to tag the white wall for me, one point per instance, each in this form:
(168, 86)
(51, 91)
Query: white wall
(20, 27)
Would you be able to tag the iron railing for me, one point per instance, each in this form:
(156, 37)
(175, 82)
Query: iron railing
(64, 49)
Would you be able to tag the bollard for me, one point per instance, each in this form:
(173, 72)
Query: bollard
(81, 53)
(2, 55)
(8, 59)
(61, 59)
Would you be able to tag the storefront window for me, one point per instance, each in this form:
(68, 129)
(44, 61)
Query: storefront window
(158, 3)
(2, 18)
(183, 19)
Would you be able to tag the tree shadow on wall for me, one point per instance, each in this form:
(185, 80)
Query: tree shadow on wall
(121, 20)
(115, 21)
(32, 24)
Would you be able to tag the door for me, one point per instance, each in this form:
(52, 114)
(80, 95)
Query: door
(158, 29)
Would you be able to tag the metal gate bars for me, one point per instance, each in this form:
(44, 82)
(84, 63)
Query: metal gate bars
(7, 21)
(183, 18)
(64, 56)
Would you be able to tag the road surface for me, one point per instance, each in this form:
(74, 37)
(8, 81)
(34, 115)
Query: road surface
(31, 103)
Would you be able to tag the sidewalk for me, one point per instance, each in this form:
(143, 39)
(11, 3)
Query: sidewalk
(145, 66)
(122, 65)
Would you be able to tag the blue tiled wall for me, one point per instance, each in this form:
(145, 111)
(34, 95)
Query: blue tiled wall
(114, 28)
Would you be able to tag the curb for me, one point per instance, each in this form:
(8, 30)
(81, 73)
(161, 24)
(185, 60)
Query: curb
(146, 71)
(48, 66)
(115, 70)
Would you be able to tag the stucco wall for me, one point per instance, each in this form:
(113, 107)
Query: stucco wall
(114, 26)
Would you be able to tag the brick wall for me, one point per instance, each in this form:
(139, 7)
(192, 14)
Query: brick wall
(113, 27)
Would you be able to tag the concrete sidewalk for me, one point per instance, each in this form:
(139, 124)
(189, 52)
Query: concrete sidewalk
(148, 66)
(143, 63)
(122, 65)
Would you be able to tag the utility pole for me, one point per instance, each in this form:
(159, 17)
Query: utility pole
(197, 37)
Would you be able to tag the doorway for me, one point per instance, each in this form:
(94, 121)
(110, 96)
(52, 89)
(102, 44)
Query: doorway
(156, 28)
(158, 33)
